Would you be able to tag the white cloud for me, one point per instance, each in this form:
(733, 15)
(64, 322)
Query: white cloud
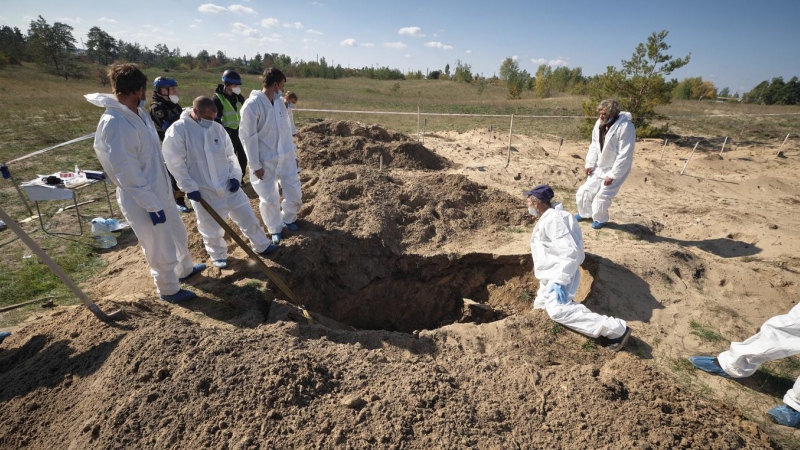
(308, 48)
(241, 9)
(397, 45)
(469, 52)
(244, 30)
(297, 25)
(316, 4)
(552, 62)
(407, 55)
(225, 35)
(211, 8)
(436, 35)
(514, 58)
(106, 20)
(310, 31)
(411, 31)
(434, 44)
(348, 43)
(269, 22)
(194, 25)
(309, 40)
(367, 44)
(68, 20)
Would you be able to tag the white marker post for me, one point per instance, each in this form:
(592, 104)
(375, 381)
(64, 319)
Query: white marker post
(417, 123)
(690, 157)
(723, 145)
(424, 125)
(381, 164)
(510, 129)
(559, 147)
(784, 143)
(664, 149)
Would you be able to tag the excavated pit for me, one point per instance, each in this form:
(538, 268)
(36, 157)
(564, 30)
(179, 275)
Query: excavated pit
(362, 283)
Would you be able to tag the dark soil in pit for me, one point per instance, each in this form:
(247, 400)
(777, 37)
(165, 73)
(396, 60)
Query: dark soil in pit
(361, 283)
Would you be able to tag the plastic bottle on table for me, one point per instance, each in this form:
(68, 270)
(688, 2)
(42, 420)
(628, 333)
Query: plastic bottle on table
(102, 233)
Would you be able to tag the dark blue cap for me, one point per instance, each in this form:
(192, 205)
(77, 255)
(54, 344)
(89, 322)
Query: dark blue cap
(542, 192)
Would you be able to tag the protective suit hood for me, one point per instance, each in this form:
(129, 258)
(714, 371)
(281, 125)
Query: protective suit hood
(106, 101)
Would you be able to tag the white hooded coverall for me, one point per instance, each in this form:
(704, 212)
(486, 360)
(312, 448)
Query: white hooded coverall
(779, 337)
(129, 151)
(614, 160)
(266, 135)
(557, 249)
(203, 160)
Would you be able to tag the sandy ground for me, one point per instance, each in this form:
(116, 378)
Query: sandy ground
(397, 357)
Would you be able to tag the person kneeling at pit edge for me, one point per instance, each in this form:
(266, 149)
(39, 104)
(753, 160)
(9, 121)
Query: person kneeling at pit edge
(557, 249)
(778, 337)
(199, 154)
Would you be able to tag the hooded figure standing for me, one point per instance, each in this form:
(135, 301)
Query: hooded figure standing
(127, 147)
(608, 162)
(557, 249)
(200, 156)
(266, 134)
(165, 111)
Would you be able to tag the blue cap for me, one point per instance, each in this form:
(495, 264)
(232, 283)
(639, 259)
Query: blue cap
(543, 192)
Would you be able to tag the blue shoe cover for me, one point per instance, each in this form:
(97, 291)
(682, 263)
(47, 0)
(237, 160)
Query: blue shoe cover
(292, 226)
(276, 238)
(220, 263)
(578, 217)
(195, 270)
(784, 415)
(180, 296)
(597, 225)
(4, 334)
(707, 364)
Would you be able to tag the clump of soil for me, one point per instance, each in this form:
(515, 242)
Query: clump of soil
(407, 212)
(331, 143)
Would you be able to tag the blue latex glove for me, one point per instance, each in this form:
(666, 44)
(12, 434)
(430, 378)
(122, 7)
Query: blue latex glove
(158, 217)
(194, 196)
(233, 184)
(561, 293)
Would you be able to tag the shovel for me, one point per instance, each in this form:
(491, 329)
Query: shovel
(259, 262)
(23, 236)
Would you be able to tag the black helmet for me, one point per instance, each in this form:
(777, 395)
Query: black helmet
(231, 77)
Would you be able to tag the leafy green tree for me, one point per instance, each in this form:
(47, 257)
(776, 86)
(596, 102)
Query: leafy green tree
(694, 88)
(434, 75)
(463, 72)
(101, 47)
(447, 70)
(544, 75)
(12, 44)
(639, 86)
(725, 92)
(53, 48)
(508, 69)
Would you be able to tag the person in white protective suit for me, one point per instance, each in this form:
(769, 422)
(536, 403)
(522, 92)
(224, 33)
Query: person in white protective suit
(608, 162)
(557, 249)
(778, 337)
(199, 154)
(128, 148)
(266, 134)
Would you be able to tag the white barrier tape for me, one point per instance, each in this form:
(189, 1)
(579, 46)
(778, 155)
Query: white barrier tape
(82, 138)
(402, 113)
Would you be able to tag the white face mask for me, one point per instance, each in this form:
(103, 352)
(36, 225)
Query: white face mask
(236, 90)
(174, 98)
(291, 106)
(142, 102)
(533, 211)
(205, 123)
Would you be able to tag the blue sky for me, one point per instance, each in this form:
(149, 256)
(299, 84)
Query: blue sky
(734, 43)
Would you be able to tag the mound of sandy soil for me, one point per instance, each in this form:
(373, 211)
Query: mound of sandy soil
(330, 143)
(419, 280)
(164, 380)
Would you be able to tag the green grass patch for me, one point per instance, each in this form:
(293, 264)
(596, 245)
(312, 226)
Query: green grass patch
(555, 329)
(681, 365)
(526, 295)
(589, 346)
(705, 333)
